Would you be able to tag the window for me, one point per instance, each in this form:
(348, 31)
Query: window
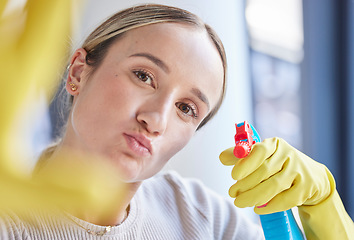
(276, 51)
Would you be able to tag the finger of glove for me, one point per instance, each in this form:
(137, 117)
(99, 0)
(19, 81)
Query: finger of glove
(263, 192)
(268, 169)
(259, 153)
(289, 198)
(227, 157)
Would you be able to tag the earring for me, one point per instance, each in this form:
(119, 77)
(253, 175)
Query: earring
(73, 86)
(68, 67)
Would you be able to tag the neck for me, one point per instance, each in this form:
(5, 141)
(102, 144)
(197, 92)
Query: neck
(115, 216)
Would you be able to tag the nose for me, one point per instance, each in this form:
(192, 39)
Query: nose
(154, 114)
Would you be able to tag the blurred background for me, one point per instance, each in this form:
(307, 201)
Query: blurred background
(290, 75)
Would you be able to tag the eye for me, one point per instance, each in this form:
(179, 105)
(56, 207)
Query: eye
(187, 109)
(145, 77)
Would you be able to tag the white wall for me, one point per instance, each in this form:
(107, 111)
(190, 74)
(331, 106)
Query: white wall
(200, 157)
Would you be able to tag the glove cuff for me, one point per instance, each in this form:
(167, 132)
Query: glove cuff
(328, 219)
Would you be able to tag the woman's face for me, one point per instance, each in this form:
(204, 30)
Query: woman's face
(146, 99)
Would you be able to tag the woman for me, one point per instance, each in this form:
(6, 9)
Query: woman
(141, 85)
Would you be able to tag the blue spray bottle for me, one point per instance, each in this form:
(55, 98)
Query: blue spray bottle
(279, 225)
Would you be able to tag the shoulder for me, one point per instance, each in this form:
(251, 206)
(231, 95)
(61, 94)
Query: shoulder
(175, 182)
(197, 204)
(189, 191)
(31, 224)
(11, 226)
(184, 190)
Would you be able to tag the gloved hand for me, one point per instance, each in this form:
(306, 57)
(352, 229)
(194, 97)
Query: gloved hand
(277, 174)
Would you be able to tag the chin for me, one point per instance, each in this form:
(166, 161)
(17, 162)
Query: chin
(135, 170)
(137, 176)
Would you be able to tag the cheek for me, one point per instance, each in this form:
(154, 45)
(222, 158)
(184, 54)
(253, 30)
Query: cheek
(102, 106)
(116, 99)
(179, 139)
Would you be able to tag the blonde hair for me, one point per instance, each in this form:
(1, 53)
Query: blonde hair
(99, 41)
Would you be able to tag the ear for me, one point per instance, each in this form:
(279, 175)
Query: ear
(75, 80)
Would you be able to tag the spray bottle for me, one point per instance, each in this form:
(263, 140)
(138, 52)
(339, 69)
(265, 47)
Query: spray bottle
(278, 225)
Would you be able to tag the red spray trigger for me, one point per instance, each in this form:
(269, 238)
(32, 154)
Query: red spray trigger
(241, 150)
(243, 140)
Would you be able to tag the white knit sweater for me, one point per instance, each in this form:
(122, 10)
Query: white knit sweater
(165, 207)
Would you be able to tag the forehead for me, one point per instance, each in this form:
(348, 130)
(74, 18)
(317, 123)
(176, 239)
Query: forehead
(187, 51)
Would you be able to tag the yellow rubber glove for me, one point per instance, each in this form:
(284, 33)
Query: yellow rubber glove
(34, 42)
(276, 174)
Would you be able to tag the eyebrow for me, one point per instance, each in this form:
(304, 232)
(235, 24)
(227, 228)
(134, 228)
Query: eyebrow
(153, 59)
(201, 96)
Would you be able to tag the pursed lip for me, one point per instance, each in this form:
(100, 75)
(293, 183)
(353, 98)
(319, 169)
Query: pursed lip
(143, 141)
